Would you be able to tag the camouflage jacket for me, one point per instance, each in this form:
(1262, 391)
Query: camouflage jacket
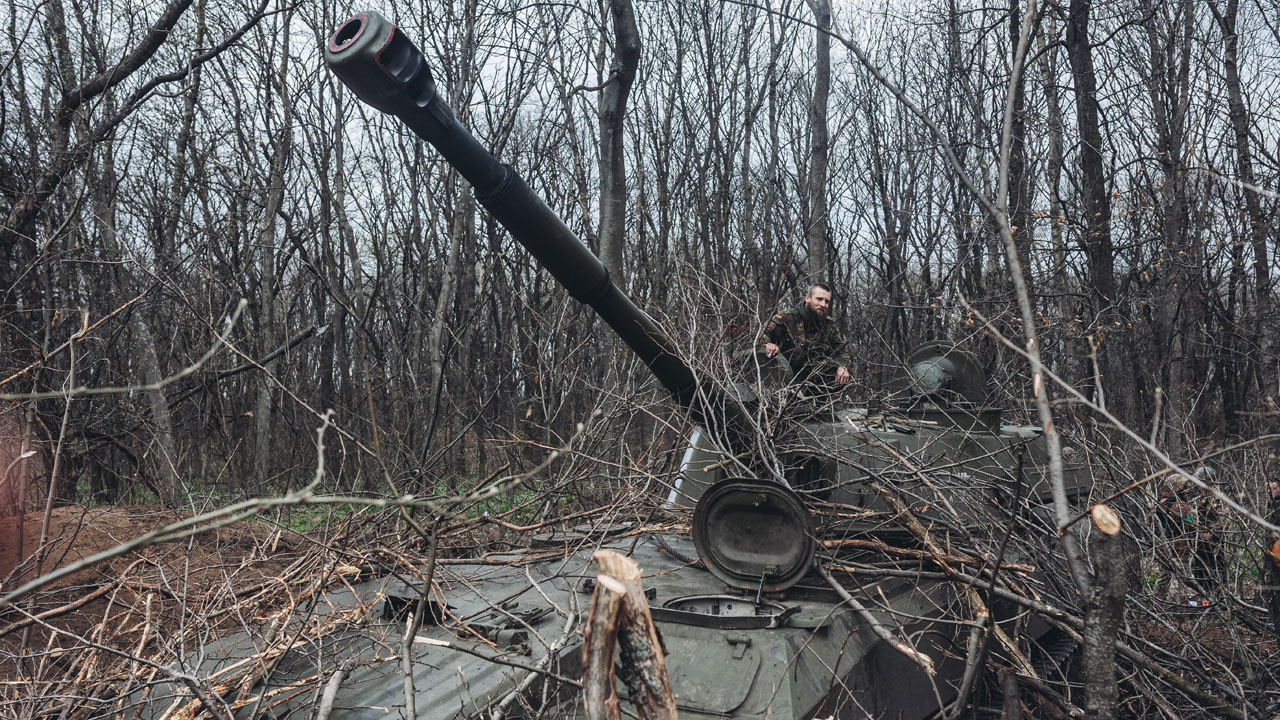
(807, 341)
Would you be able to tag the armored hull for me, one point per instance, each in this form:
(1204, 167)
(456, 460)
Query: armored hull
(800, 654)
(749, 629)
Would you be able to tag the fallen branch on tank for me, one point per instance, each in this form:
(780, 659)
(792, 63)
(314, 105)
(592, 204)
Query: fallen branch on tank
(880, 546)
(1151, 665)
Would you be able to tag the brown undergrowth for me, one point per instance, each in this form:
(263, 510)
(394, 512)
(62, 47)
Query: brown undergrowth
(89, 632)
(94, 642)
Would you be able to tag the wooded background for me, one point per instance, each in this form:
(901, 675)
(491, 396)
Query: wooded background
(158, 164)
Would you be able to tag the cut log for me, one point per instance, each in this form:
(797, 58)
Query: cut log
(1104, 606)
(599, 686)
(644, 669)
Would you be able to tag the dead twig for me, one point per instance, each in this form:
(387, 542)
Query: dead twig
(880, 546)
(923, 661)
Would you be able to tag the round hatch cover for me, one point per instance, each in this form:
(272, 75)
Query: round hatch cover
(753, 534)
(944, 372)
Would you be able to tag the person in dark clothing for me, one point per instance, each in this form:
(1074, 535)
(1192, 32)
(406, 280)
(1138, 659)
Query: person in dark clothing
(807, 337)
(1209, 566)
(1178, 521)
(1195, 526)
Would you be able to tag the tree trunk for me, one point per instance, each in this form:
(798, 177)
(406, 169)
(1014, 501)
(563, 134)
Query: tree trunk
(1053, 171)
(816, 222)
(1169, 95)
(27, 209)
(166, 453)
(144, 345)
(1096, 208)
(1059, 283)
(1019, 204)
(1104, 607)
(463, 226)
(613, 110)
(268, 322)
(1259, 225)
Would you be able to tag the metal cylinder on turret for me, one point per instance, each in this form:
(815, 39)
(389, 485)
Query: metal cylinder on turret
(386, 70)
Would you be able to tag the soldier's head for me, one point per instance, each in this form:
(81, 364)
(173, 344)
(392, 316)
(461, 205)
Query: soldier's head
(818, 299)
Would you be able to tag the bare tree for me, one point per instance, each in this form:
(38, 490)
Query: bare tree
(612, 113)
(1095, 214)
(1258, 221)
(816, 179)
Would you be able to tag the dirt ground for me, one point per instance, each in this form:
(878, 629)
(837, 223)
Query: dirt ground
(140, 595)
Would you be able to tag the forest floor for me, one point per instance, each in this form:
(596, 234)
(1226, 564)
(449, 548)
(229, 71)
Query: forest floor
(140, 596)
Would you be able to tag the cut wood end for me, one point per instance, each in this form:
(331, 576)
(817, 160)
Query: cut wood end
(1274, 552)
(603, 556)
(924, 661)
(616, 565)
(608, 583)
(1105, 519)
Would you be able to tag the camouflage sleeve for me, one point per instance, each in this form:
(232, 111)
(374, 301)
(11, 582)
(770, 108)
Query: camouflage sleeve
(839, 350)
(773, 332)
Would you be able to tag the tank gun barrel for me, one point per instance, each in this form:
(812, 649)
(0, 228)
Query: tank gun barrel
(383, 67)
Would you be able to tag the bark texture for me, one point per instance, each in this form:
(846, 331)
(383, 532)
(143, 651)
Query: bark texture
(1260, 228)
(1095, 218)
(1104, 607)
(599, 684)
(820, 143)
(613, 110)
(644, 668)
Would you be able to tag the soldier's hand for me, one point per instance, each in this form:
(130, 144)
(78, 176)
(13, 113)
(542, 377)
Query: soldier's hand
(770, 349)
(842, 375)
(1274, 487)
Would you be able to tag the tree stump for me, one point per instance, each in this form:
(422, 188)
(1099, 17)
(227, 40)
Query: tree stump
(620, 612)
(599, 688)
(1105, 612)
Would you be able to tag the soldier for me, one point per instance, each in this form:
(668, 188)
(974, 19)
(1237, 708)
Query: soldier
(808, 339)
(1196, 526)
(1209, 567)
(1177, 516)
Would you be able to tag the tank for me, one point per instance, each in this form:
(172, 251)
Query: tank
(751, 629)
